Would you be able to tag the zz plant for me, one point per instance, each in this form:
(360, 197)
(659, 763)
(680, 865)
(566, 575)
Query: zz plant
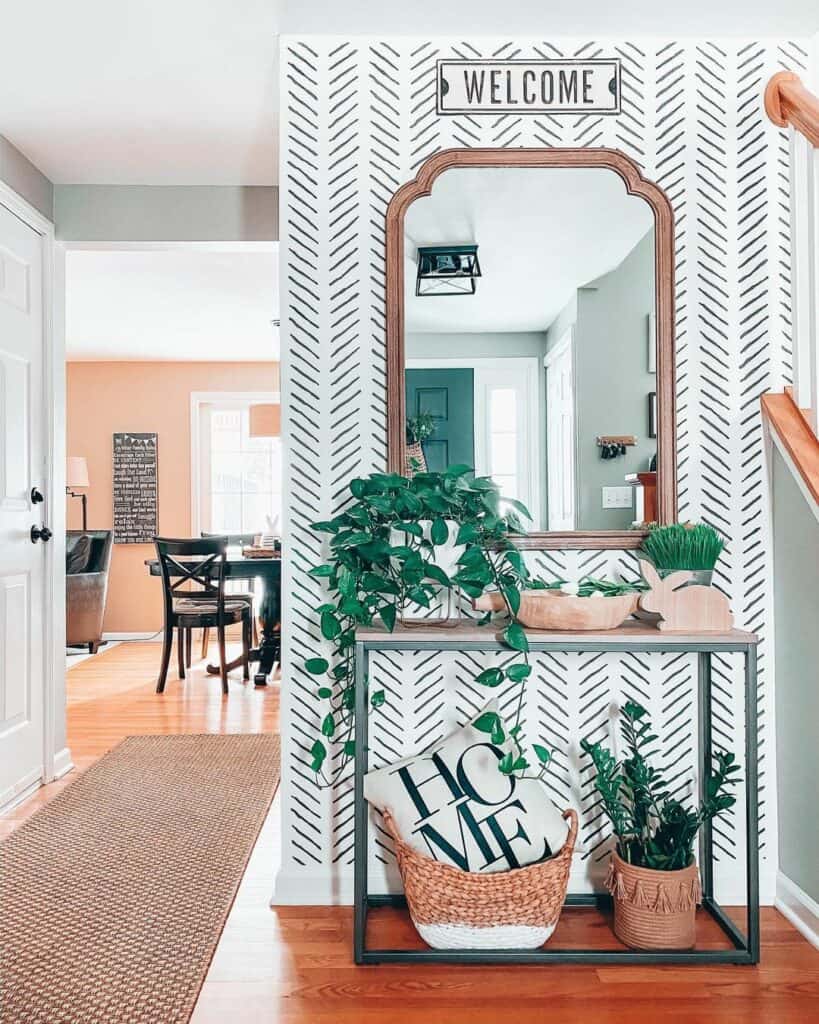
(653, 829)
(383, 561)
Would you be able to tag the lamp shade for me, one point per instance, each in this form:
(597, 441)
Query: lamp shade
(76, 472)
(265, 420)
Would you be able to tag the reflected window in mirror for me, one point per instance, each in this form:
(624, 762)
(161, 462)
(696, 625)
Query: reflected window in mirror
(553, 349)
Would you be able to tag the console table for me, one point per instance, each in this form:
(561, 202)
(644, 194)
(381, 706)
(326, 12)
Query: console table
(631, 637)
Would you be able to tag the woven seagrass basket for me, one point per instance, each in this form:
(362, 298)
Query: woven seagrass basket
(654, 909)
(454, 909)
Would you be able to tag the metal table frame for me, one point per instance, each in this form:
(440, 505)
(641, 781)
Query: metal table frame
(745, 946)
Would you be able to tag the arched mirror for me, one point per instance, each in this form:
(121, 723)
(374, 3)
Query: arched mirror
(530, 335)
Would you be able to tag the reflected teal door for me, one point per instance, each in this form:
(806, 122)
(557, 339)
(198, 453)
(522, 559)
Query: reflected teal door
(449, 397)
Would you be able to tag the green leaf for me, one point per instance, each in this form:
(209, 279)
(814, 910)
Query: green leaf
(434, 572)
(512, 595)
(349, 748)
(498, 735)
(378, 698)
(439, 532)
(490, 677)
(317, 666)
(322, 570)
(541, 753)
(459, 469)
(515, 559)
(518, 506)
(325, 526)
(325, 692)
(514, 636)
(387, 613)
(467, 534)
(328, 726)
(319, 752)
(419, 596)
(330, 626)
(487, 722)
(507, 763)
(518, 672)
(358, 487)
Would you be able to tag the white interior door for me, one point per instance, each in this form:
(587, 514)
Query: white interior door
(507, 429)
(22, 467)
(560, 436)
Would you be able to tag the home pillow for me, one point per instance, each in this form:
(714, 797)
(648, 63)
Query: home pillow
(452, 803)
(78, 555)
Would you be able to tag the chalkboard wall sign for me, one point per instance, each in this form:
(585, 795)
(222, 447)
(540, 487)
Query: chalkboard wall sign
(135, 488)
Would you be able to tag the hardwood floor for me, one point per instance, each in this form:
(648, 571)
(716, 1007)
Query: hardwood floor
(294, 964)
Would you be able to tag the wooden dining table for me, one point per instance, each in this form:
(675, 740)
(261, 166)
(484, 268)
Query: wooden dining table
(268, 572)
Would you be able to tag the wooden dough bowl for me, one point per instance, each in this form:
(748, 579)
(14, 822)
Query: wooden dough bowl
(551, 609)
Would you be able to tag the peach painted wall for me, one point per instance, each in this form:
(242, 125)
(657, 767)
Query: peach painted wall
(104, 398)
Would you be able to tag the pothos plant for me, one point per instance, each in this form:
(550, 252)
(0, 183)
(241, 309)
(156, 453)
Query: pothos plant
(654, 829)
(383, 561)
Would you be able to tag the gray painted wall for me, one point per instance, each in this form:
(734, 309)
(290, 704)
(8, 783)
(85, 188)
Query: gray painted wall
(166, 213)
(612, 382)
(796, 614)
(19, 173)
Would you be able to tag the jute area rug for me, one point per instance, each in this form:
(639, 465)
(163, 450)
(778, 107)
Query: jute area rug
(114, 895)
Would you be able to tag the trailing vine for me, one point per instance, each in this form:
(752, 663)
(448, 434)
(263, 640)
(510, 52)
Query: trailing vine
(383, 561)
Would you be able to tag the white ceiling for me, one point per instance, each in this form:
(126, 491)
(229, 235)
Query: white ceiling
(172, 305)
(541, 233)
(185, 92)
(154, 92)
(549, 18)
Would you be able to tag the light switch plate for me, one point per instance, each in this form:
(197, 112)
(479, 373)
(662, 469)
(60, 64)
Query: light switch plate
(618, 497)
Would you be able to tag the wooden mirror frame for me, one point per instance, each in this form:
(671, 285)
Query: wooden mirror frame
(636, 184)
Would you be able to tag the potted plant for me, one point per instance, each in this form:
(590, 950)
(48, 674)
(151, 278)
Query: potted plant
(419, 428)
(384, 558)
(695, 547)
(653, 876)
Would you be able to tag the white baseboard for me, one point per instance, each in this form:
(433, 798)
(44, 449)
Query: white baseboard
(800, 909)
(300, 889)
(21, 790)
(62, 763)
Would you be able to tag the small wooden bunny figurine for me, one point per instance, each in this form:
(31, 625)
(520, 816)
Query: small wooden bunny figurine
(684, 609)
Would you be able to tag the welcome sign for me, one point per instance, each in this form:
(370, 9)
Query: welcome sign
(528, 86)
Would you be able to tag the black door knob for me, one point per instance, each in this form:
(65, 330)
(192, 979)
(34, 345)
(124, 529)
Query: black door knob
(40, 533)
(36, 496)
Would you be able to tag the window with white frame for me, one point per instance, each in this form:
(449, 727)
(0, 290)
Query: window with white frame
(238, 483)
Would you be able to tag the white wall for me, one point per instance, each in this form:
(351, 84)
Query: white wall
(358, 120)
(20, 174)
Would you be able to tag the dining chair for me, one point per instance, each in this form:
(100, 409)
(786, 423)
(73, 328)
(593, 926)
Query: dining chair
(240, 540)
(198, 563)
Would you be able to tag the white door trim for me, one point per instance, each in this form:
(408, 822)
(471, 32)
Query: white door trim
(199, 398)
(53, 638)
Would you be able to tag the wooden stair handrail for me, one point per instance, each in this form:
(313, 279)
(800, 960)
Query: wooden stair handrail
(786, 419)
(788, 102)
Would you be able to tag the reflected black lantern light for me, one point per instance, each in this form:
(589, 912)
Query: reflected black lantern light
(447, 270)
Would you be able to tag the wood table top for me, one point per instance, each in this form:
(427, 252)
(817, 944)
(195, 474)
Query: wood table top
(630, 633)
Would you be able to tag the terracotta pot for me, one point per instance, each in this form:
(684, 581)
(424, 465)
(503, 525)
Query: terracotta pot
(654, 909)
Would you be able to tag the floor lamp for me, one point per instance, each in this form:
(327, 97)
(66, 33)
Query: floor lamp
(76, 475)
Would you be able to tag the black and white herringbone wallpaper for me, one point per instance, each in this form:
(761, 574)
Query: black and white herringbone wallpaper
(358, 120)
